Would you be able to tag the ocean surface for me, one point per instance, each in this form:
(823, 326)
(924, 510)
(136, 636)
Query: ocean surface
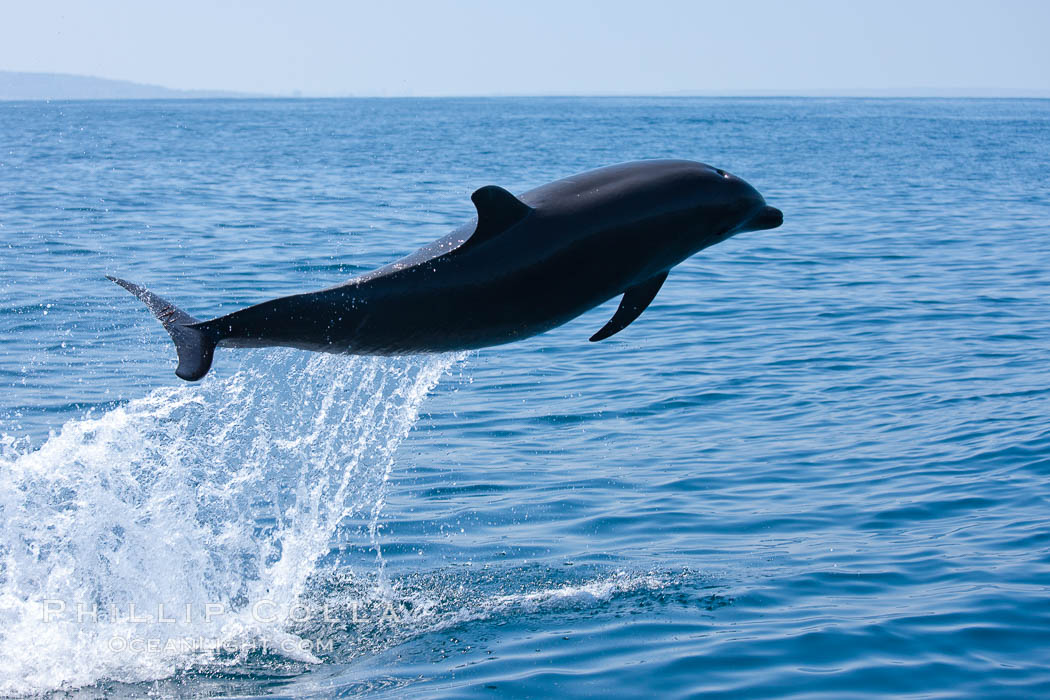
(817, 466)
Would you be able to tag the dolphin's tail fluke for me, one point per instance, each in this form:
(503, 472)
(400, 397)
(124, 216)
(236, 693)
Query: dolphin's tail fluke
(194, 346)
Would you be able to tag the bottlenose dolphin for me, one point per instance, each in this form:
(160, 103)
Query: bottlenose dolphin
(526, 265)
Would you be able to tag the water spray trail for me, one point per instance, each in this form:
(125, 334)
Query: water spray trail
(223, 495)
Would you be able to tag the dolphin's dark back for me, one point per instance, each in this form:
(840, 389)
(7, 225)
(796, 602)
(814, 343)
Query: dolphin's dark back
(613, 193)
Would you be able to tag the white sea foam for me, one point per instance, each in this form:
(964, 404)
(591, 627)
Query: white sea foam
(374, 618)
(190, 520)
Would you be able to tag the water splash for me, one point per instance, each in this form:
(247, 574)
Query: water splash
(186, 524)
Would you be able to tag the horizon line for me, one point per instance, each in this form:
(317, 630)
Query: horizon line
(220, 93)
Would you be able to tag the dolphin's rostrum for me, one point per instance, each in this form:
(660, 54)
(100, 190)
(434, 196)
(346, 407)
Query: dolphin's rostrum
(528, 264)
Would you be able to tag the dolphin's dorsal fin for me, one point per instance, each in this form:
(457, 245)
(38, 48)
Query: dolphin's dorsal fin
(634, 302)
(498, 210)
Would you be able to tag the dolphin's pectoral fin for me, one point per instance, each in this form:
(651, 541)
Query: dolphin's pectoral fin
(634, 302)
(498, 210)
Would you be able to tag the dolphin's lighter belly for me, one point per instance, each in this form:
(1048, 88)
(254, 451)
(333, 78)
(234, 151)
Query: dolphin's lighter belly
(440, 318)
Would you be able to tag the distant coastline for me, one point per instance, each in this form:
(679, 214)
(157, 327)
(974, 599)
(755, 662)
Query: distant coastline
(66, 86)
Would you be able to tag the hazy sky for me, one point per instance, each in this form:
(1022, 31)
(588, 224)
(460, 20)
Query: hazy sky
(535, 47)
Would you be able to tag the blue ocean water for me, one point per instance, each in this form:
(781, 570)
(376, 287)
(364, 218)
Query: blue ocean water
(817, 466)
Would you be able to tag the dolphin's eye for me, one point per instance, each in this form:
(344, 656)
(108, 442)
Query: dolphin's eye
(721, 172)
